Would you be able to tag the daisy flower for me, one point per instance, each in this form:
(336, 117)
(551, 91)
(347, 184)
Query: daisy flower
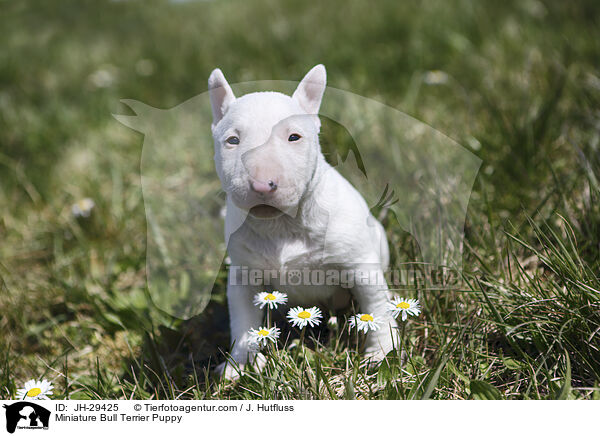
(405, 307)
(364, 321)
(83, 208)
(299, 316)
(261, 336)
(271, 299)
(35, 390)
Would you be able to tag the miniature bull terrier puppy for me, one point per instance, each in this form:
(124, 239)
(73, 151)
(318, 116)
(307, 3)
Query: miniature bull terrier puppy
(287, 209)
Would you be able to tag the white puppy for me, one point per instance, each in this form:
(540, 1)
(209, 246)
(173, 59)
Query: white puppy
(288, 210)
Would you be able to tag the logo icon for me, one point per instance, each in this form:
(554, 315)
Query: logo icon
(26, 415)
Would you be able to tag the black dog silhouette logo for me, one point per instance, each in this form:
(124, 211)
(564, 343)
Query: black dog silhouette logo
(26, 415)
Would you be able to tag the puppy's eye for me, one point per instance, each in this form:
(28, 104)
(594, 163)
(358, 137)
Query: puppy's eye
(294, 137)
(233, 140)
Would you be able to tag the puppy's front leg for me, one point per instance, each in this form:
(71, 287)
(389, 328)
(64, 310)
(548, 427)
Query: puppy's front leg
(243, 315)
(374, 298)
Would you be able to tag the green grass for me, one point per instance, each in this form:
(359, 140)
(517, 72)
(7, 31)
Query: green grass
(522, 92)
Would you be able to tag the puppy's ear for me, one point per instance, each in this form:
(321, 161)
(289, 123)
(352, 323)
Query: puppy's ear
(221, 95)
(310, 90)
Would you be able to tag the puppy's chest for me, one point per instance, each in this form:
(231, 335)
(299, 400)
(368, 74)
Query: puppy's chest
(297, 253)
(277, 253)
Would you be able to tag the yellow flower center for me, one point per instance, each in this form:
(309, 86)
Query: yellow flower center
(366, 317)
(263, 332)
(270, 297)
(403, 305)
(304, 314)
(34, 392)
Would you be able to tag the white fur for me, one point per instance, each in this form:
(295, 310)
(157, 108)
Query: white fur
(316, 219)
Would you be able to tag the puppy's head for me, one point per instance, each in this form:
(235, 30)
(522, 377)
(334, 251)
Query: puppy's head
(266, 143)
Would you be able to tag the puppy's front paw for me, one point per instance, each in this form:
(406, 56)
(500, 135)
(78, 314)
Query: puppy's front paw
(231, 370)
(228, 370)
(375, 356)
(379, 344)
(259, 362)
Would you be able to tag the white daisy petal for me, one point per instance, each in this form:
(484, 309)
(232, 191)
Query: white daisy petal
(35, 390)
(258, 338)
(364, 322)
(270, 299)
(83, 208)
(404, 307)
(300, 317)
